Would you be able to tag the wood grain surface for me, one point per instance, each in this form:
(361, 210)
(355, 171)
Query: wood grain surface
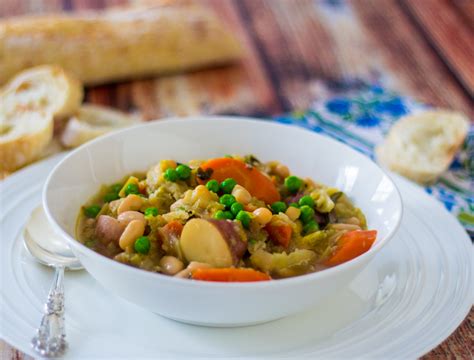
(299, 50)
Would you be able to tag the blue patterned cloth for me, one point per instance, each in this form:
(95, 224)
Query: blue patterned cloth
(362, 117)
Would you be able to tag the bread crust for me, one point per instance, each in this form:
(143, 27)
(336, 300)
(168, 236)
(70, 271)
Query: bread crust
(116, 45)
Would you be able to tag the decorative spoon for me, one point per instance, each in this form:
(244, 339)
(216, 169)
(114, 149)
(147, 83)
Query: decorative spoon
(51, 250)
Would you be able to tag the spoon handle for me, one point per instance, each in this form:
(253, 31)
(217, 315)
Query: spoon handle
(50, 339)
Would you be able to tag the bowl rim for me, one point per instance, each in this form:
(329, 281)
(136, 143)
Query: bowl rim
(284, 282)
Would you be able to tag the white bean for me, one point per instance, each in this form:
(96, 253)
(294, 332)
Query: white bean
(131, 202)
(134, 230)
(113, 205)
(171, 265)
(126, 217)
(193, 265)
(241, 194)
(282, 170)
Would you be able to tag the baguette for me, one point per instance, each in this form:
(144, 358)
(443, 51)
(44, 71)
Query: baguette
(422, 146)
(92, 121)
(115, 45)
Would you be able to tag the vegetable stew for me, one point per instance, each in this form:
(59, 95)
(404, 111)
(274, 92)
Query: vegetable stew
(225, 219)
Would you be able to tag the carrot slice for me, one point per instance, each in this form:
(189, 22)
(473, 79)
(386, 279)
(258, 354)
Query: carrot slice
(280, 234)
(351, 245)
(229, 275)
(250, 178)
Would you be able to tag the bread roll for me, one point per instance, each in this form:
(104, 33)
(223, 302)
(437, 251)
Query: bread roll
(115, 45)
(422, 146)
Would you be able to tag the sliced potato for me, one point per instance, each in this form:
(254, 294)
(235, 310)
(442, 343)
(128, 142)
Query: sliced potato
(218, 243)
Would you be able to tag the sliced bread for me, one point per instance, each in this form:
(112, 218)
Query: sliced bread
(28, 105)
(23, 138)
(45, 88)
(92, 121)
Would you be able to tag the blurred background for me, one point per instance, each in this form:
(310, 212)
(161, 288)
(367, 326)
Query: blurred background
(296, 51)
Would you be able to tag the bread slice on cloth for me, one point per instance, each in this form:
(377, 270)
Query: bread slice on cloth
(422, 146)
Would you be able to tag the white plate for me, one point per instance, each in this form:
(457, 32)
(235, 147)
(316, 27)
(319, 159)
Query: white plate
(408, 300)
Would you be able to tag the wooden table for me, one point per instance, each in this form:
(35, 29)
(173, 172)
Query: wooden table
(300, 50)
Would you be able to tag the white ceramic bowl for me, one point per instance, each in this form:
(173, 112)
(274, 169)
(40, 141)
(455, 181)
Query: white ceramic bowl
(108, 159)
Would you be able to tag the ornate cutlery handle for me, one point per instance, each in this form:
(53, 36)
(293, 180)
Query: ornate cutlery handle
(50, 339)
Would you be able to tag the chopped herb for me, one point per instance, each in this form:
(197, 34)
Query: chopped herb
(204, 174)
(251, 160)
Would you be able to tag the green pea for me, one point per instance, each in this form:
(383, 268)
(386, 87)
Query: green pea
(171, 175)
(223, 215)
(228, 156)
(244, 218)
(278, 207)
(227, 200)
(151, 211)
(307, 214)
(115, 188)
(293, 183)
(306, 200)
(142, 245)
(294, 205)
(236, 207)
(227, 185)
(310, 227)
(183, 172)
(213, 185)
(111, 197)
(92, 211)
(131, 189)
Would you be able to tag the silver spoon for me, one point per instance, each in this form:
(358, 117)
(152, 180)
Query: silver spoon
(51, 250)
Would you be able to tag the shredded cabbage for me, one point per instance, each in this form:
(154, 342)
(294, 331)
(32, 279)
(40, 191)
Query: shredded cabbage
(283, 264)
(344, 210)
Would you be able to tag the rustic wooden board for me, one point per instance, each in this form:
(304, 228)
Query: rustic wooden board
(297, 51)
(465, 11)
(418, 69)
(449, 35)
